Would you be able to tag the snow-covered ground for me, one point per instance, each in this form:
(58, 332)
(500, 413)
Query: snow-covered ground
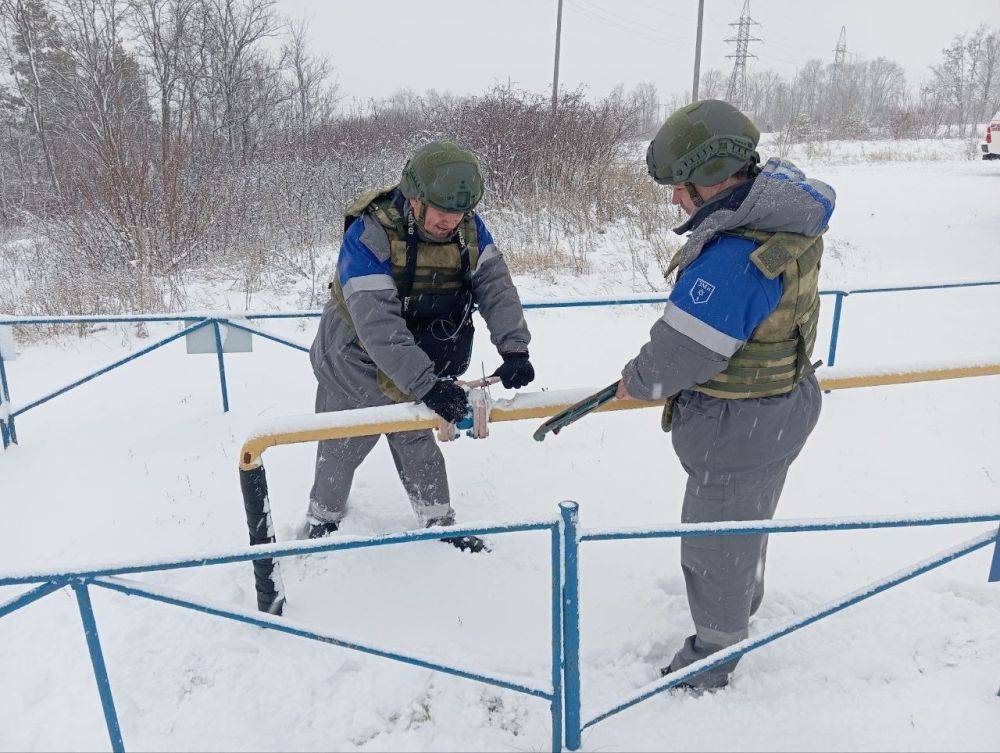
(142, 462)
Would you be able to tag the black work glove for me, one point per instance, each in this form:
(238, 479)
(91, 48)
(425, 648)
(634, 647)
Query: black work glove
(516, 370)
(448, 400)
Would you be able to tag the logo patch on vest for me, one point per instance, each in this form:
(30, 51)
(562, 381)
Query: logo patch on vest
(701, 291)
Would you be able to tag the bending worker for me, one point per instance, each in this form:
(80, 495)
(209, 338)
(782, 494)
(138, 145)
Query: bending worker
(732, 353)
(415, 262)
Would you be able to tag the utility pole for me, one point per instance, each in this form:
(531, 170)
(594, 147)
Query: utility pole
(840, 55)
(555, 74)
(736, 93)
(697, 51)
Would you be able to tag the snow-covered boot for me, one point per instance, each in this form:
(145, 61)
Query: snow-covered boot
(472, 544)
(691, 688)
(318, 528)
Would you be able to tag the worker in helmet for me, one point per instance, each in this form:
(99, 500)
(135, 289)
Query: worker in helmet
(732, 353)
(415, 262)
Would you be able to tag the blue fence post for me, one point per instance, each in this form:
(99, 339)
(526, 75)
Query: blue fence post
(222, 366)
(7, 430)
(571, 623)
(97, 660)
(838, 306)
(557, 641)
(994, 576)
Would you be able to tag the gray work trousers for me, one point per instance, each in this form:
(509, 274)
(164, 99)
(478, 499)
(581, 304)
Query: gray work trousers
(736, 454)
(418, 460)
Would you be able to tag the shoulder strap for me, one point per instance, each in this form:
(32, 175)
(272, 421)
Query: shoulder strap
(781, 249)
(405, 283)
(471, 239)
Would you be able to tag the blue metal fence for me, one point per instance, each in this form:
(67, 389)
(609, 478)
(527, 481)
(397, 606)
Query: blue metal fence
(571, 607)
(563, 692)
(109, 578)
(9, 413)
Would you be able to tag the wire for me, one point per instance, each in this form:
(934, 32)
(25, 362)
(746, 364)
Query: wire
(614, 18)
(664, 11)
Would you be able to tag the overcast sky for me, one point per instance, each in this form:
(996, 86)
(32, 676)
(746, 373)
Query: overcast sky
(464, 47)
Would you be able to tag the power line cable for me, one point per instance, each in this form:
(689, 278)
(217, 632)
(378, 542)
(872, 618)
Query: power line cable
(615, 17)
(605, 22)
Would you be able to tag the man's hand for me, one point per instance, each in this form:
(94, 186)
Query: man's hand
(516, 370)
(622, 392)
(448, 400)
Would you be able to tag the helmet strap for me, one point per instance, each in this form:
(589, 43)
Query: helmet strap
(693, 193)
(421, 217)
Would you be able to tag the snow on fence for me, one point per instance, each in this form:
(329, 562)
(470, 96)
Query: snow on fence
(241, 321)
(107, 576)
(271, 596)
(564, 690)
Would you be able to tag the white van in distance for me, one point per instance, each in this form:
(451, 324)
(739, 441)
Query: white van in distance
(991, 142)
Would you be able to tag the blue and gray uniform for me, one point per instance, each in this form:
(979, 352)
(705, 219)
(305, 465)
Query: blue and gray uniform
(736, 452)
(347, 373)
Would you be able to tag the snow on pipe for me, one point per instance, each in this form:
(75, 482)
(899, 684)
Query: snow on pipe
(529, 405)
(415, 416)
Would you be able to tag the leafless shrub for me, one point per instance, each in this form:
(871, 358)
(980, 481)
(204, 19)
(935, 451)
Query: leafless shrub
(147, 142)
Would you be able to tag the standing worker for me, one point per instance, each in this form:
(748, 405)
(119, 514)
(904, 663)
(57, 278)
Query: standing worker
(732, 353)
(415, 262)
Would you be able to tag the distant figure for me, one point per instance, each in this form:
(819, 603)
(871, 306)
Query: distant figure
(732, 353)
(415, 262)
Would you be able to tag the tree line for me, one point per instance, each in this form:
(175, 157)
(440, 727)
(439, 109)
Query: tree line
(870, 99)
(145, 144)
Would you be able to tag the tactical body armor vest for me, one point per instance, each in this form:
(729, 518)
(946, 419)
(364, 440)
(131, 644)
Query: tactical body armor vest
(777, 356)
(434, 282)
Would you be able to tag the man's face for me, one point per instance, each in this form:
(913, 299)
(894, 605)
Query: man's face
(681, 198)
(438, 223)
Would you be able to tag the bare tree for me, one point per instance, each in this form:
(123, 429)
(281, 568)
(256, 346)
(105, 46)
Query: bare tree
(883, 89)
(239, 79)
(163, 27)
(106, 106)
(986, 81)
(645, 100)
(314, 96)
(963, 82)
(713, 84)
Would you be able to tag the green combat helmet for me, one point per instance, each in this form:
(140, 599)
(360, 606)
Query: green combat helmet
(444, 175)
(702, 144)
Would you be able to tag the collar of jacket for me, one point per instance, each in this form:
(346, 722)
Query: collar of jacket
(730, 199)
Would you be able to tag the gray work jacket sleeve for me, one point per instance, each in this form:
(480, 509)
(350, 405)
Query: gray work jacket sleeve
(670, 362)
(378, 320)
(499, 304)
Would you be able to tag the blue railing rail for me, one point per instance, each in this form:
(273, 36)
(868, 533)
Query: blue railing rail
(9, 413)
(109, 577)
(564, 690)
(574, 721)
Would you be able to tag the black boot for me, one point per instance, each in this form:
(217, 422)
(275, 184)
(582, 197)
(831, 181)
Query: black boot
(688, 687)
(320, 529)
(472, 544)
